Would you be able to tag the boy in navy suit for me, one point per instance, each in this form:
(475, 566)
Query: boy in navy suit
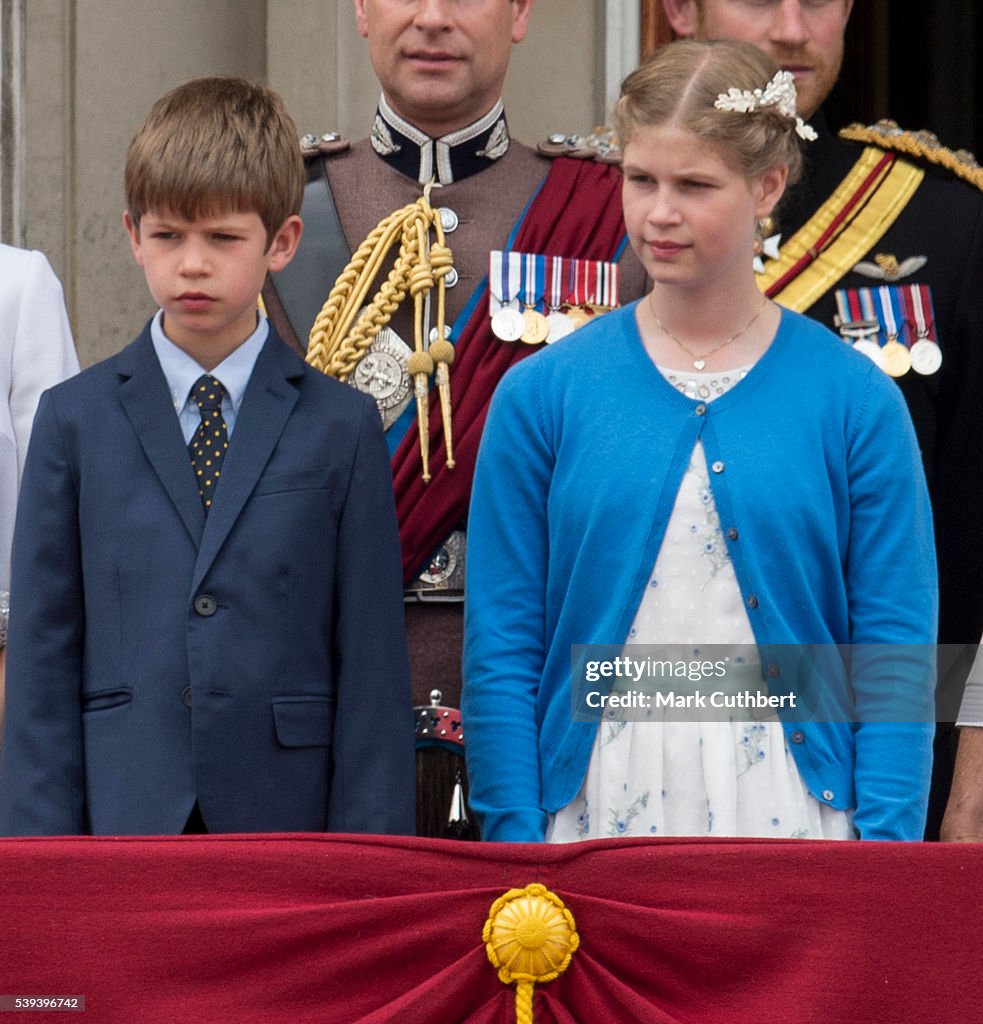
(206, 628)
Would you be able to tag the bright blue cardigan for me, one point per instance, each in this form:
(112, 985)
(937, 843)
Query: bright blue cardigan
(818, 472)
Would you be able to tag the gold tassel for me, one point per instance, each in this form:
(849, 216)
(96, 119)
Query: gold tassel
(337, 342)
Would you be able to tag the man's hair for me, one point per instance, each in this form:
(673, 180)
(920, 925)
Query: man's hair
(679, 84)
(215, 145)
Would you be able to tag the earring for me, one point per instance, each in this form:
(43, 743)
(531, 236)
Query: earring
(765, 244)
(763, 227)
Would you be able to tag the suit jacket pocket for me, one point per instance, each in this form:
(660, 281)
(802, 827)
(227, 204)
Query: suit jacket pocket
(104, 700)
(304, 721)
(286, 481)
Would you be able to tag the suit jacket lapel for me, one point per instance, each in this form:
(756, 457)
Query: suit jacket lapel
(266, 406)
(147, 404)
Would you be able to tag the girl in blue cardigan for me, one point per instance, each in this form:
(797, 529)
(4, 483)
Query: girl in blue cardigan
(704, 472)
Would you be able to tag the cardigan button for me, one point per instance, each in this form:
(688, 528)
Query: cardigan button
(798, 736)
(827, 794)
(732, 534)
(718, 467)
(774, 670)
(752, 601)
(700, 410)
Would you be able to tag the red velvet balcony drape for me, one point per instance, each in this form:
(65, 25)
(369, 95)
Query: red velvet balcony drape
(365, 930)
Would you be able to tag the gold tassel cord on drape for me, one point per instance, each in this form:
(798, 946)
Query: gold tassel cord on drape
(530, 937)
(337, 342)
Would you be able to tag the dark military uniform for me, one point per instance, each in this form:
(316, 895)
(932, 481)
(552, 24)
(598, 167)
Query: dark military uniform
(942, 223)
(486, 180)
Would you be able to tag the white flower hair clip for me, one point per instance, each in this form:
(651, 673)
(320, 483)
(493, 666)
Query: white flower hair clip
(779, 92)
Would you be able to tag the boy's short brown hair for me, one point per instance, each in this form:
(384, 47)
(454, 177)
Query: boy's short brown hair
(214, 145)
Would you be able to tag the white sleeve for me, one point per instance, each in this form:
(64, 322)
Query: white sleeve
(43, 353)
(971, 709)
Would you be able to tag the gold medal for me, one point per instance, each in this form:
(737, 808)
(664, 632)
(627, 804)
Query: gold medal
(578, 315)
(535, 330)
(895, 358)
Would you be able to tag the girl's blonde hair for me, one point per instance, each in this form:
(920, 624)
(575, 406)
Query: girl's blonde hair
(679, 85)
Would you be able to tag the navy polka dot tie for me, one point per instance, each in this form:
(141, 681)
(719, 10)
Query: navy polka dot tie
(210, 441)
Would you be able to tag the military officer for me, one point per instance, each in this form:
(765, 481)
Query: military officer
(518, 246)
(883, 240)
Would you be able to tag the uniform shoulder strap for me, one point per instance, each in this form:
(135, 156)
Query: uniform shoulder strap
(921, 146)
(303, 285)
(600, 145)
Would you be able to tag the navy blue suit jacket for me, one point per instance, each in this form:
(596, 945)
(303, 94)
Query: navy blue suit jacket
(253, 660)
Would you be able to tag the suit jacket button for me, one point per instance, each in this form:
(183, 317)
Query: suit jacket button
(186, 696)
(205, 605)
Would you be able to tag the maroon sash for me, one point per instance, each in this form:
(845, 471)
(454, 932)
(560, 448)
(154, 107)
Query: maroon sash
(575, 214)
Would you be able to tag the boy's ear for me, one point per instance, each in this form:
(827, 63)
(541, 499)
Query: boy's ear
(133, 231)
(285, 243)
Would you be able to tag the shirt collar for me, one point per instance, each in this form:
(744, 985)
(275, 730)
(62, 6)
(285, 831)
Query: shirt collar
(181, 371)
(447, 159)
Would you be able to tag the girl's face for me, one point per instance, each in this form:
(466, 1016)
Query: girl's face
(690, 215)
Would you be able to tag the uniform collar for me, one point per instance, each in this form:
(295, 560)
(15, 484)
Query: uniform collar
(447, 159)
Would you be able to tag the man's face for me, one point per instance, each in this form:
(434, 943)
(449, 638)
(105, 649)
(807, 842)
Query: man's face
(802, 36)
(442, 63)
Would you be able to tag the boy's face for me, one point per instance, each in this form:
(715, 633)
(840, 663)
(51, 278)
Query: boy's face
(206, 275)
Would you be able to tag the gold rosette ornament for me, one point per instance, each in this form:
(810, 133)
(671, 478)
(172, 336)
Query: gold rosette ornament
(529, 936)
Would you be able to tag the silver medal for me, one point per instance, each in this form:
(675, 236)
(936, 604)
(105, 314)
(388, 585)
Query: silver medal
(926, 357)
(870, 349)
(560, 326)
(508, 324)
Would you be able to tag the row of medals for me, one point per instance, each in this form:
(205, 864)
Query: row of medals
(511, 324)
(896, 359)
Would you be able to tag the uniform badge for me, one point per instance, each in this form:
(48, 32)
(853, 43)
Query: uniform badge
(382, 373)
(886, 267)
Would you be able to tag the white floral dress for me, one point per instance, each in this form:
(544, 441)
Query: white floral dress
(661, 777)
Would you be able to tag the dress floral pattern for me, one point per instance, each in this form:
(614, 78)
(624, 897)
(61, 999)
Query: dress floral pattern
(664, 777)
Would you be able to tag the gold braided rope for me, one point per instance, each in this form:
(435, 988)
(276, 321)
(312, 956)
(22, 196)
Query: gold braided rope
(337, 343)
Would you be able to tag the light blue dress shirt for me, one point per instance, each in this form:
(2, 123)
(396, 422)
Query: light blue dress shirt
(181, 372)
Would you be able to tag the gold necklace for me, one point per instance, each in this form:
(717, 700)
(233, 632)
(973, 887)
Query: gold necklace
(700, 361)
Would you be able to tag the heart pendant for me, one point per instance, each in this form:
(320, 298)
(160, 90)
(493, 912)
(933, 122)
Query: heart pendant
(699, 363)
